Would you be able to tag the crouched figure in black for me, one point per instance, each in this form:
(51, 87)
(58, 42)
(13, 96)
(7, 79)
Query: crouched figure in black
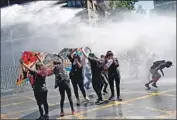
(63, 82)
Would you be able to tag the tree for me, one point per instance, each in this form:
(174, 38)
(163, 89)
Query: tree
(122, 4)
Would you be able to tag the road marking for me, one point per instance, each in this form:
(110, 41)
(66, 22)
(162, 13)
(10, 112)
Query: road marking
(101, 107)
(169, 95)
(31, 98)
(25, 101)
(79, 116)
(50, 104)
(127, 101)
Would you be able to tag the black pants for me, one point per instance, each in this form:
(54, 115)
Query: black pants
(78, 81)
(63, 86)
(96, 83)
(104, 83)
(41, 98)
(115, 78)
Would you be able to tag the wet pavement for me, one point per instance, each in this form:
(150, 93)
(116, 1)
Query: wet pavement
(138, 103)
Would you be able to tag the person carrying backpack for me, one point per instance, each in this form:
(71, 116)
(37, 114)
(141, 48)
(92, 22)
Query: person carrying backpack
(63, 82)
(157, 65)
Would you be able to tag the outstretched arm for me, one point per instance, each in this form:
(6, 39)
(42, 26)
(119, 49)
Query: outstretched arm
(38, 57)
(28, 68)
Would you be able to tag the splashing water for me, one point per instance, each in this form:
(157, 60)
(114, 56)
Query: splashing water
(42, 26)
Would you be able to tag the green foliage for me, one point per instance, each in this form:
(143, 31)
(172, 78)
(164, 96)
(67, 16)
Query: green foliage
(122, 4)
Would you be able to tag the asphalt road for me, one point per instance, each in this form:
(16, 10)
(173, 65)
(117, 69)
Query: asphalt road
(138, 103)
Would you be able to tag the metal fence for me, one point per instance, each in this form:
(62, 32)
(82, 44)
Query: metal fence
(9, 77)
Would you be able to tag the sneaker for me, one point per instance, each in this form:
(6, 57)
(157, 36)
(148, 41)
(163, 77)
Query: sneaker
(97, 102)
(146, 85)
(46, 117)
(40, 118)
(119, 99)
(87, 98)
(154, 85)
(111, 98)
(62, 114)
(73, 113)
(105, 92)
(78, 102)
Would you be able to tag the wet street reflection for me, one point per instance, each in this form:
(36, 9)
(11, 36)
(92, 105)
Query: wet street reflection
(138, 103)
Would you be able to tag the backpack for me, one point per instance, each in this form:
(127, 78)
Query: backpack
(157, 63)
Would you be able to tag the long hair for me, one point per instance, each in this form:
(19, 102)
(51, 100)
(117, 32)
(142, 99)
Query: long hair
(38, 65)
(77, 57)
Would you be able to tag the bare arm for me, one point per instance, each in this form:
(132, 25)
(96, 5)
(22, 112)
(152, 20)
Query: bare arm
(28, 68)
(38, 58)
(160, 67)
(79, 64)
(162, 72)
(108, 64)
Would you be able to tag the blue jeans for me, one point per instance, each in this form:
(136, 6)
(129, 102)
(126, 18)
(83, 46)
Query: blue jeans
(89, 78)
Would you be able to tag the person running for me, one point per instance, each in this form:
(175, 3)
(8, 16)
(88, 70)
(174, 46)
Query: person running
(76, 76)
(104, 76)
(157, 65)
(63, 82)
(39, 87)
(96, 68)
(112, 65)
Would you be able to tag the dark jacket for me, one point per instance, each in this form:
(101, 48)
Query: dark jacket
(75, 72)
(39, 84)
(113, 69)
(96, 67)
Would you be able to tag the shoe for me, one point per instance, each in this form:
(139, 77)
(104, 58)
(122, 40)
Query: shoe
(119, 99)
(99, 101)
(62, 114)
(87, 98)
(46, 117)
(78, 102)
(154, 85)
(105, 92)
(73, 113)
(146, 85)
(111, 98)
(40, 118)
